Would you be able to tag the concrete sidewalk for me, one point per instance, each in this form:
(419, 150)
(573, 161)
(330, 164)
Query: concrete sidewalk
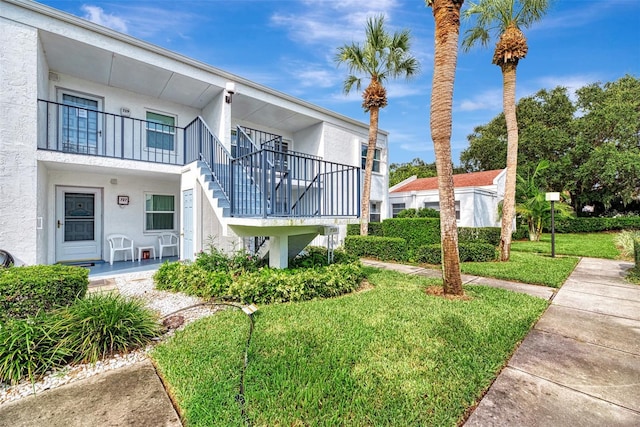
(129, 396)
(580, 364)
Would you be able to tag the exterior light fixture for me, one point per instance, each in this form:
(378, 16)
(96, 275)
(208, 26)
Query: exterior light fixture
(230, 88)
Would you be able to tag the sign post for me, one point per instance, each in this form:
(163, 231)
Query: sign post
(553, 197)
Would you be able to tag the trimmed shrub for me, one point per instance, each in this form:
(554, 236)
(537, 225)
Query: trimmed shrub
(375, 229)
(384, 248)
(521, 232)
(592, 225)
(636, 253)
(469, 252)
(217, 260)
(267, 286)
(29, 347)
(479, 234)
(192, 279)
(24, 291)
(415, 231)
(419, 213)
(103, 324)
(316, 256)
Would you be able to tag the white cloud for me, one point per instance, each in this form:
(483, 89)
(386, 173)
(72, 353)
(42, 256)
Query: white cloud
(143, 21)
(486, 100)
(98, 16)
(572, 83)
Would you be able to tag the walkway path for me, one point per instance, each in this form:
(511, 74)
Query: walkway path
(580, 364)
(535, 290)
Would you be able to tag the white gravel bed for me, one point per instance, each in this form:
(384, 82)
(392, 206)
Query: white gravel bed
(136, 285)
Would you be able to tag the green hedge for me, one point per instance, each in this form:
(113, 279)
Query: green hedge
(375, 229)
(521, 232)
(420, 213)
(384, 248)
(24, 291)
(479, 235)
(636, 253)
(415, 231)
(469, 252)
(268, 285)
(591, 225)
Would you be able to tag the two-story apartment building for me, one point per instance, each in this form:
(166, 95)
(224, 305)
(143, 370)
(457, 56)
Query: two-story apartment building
(102, 133)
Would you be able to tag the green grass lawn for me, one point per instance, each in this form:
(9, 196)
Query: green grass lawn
(595, 245)
(391, 355)
(532, 268)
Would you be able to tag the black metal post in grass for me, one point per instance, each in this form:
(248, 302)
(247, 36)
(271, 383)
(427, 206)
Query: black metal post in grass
(553, 197)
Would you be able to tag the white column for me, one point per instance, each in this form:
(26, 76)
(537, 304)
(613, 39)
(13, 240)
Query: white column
(278, 251)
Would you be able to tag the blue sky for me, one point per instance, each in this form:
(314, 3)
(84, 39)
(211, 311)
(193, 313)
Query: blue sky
(290, 45)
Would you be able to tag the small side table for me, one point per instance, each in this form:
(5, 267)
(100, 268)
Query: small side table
(152, 250)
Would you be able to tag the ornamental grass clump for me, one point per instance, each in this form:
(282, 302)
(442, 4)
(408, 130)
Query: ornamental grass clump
(104, 324)
(29, 347)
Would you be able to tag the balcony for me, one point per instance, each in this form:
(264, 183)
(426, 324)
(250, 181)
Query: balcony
(263, 180)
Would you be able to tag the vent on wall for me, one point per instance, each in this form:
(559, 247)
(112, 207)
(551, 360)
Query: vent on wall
(53, 76)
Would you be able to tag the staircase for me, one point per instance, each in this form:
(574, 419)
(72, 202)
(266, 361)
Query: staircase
(268, 187)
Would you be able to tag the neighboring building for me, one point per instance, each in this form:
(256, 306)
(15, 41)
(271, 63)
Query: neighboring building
(101, 133)
(477, 195)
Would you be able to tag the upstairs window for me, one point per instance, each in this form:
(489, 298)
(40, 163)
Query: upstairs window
(376, 158)
(161, 131)
(159, 212)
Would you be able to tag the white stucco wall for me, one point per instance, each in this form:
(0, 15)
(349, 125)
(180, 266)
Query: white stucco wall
(309, 140)
(128, 220)
(18, 136)
(478, 205)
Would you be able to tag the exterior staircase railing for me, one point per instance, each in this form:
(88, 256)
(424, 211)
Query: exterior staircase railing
(261, 181)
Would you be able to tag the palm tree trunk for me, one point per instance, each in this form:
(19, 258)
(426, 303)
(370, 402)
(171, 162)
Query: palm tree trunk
(368, 169)
(446, 14)
(508, 205)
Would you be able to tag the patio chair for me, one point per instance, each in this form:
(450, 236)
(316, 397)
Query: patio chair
(6, 260)
(120, 243)
(168, 240)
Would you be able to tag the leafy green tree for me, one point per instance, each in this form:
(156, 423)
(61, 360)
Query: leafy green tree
(605, 159)
(398, 172)
(546, 132)
(505, 18)
(446, 14)
(531, 203)
(380, 57)
(592, 144)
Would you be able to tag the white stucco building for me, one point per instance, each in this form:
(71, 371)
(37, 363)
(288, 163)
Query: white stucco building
(102, 133)
(477, 195)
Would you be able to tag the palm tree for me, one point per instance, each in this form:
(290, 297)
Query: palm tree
(531, 203)
(446, 14)
(505, 18)
(381, 56)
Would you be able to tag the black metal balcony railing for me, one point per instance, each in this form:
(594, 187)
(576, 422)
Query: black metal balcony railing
(72, 129)
(261, 181)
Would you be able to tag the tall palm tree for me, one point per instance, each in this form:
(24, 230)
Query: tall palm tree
(380, 57)
(505, 18)
(446, 14)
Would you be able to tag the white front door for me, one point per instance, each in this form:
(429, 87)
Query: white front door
(78, 223)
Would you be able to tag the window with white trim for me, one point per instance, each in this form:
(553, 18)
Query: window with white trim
(159, 212)
(436, 206)
(396, 208)
(374, 212)
(161, 131)
(376, 158)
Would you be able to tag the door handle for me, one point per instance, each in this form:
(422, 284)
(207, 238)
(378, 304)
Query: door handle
(59, 223)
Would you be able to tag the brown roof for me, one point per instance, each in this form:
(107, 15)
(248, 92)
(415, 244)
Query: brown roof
(473, 179)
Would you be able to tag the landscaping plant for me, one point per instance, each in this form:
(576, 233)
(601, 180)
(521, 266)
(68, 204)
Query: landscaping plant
(103, 324)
